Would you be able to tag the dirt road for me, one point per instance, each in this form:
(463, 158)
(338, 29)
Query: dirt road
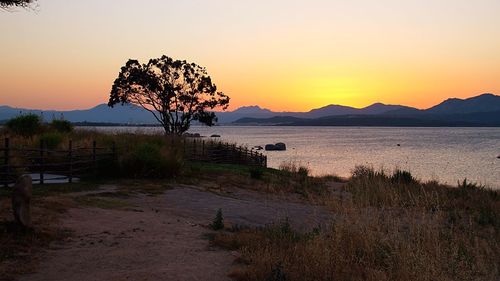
(162, 237)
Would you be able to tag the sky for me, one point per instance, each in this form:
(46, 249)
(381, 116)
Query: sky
(285, 55)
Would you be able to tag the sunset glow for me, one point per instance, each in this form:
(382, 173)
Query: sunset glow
(282, 55)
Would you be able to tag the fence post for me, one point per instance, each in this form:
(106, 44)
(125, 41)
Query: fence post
(194, 147)
(203, 148)
(70, 156)
(42, 162)
(94, 146)
(6, 161)
(113, 150)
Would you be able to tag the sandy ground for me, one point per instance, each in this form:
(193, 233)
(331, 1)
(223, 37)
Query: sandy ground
(163, 237)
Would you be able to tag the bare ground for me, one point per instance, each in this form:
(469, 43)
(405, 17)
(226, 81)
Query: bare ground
(163, 237)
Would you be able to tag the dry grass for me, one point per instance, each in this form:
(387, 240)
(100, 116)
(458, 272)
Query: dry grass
(289, 179)
(391, 229)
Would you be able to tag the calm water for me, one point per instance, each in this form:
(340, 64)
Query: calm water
(444, 154)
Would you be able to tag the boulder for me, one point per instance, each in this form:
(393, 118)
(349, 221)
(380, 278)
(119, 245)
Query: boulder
(276, 147)
(215, 136)
(21, 200)
(280, 146)
(270, 147)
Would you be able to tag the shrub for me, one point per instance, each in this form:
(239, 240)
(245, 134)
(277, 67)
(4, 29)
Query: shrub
(25, 125)
(218, 222)
(51, 140)
(61, 126)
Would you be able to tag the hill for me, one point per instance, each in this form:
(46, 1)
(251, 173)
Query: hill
(476, 111)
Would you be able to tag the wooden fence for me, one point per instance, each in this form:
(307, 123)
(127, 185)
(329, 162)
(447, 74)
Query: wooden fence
(77, 161)
(65, 163)
(222, 153)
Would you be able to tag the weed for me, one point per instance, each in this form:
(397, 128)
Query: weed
(218, 221)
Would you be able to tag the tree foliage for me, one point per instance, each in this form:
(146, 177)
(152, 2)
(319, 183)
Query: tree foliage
(4, 4)
(174, 91)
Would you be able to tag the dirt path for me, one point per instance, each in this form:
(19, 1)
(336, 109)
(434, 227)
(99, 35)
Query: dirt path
(162, 237)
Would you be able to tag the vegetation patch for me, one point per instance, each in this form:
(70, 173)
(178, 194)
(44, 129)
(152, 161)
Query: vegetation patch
(391, 230)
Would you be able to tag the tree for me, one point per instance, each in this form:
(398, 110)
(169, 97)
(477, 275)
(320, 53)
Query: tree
(175, 92)
(4, 4)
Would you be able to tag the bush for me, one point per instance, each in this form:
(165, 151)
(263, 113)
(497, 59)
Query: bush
(51, 140)
(25, 125)
(61, 126)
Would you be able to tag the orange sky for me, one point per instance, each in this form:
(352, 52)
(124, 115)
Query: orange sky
(283, 55)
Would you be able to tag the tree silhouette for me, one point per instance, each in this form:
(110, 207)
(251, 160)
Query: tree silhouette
(175, 92)
(4, 4)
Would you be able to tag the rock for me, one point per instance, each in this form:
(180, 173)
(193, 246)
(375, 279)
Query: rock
(215, 136)
(21, 201)
(498, 156)
(270, 147)
(280, 146)
(276, 147)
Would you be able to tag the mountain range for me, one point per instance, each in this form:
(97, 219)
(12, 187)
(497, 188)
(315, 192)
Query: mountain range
(482, 110)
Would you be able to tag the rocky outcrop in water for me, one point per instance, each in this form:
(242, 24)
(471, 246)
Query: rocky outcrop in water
(276, 147)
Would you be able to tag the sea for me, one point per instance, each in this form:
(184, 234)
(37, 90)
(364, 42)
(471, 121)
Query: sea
(448, 155)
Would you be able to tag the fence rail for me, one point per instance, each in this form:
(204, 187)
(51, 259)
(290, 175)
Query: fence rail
(222, 153)
(64, 163)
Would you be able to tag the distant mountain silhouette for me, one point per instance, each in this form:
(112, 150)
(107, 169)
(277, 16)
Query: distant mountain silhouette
(483, 110)
(329, 110)
(482, 103)
(332, 110)
(99, 114)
